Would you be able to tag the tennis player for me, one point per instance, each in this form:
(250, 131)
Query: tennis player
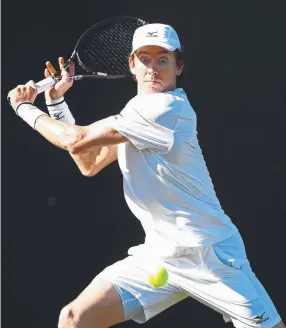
(168, 188)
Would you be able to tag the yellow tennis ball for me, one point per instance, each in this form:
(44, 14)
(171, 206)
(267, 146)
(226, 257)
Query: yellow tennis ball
(159, 278)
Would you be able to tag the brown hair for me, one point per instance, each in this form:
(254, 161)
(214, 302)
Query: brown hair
(180, 60)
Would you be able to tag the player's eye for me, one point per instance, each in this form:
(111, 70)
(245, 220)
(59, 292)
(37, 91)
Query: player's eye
(163, 60)
(144, 60)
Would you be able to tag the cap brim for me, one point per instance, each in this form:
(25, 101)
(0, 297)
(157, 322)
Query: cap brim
(153, 43)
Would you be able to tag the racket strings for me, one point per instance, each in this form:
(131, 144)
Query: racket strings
(111, 59)
(107, 50)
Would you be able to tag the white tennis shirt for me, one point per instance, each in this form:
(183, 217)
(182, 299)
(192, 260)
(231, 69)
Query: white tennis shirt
(167, 185)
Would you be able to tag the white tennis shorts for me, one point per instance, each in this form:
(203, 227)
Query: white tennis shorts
(218, 276)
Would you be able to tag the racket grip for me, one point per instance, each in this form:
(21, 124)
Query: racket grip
(45, 84)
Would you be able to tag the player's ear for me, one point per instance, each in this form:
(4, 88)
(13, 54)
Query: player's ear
(131, 64)
(179, 69)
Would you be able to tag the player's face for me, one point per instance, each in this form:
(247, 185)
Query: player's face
(155, 69)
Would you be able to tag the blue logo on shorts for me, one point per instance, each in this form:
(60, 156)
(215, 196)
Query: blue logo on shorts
(260, 318)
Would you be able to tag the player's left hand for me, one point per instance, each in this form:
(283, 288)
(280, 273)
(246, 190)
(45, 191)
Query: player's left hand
(65, 83)
(22, 93)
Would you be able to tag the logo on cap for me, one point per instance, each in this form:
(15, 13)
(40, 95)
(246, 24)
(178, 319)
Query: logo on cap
(152, 34)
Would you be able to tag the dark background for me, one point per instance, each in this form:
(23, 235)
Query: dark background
(59, 229)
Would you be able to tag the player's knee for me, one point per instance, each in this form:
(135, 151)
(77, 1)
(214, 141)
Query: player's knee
(67, 318)
(71, 317)
(279, 325)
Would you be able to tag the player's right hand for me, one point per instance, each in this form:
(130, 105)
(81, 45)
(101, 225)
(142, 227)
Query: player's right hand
(65, 83)
(22, 93)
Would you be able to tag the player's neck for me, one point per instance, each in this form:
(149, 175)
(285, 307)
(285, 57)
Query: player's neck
(141, 91)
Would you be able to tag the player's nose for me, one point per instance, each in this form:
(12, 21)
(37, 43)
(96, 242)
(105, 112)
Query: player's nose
(152, 68)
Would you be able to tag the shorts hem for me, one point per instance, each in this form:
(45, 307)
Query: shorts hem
(275, 321)
(130, 291)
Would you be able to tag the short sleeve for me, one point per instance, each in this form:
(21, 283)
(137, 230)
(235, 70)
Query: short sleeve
(149, 121)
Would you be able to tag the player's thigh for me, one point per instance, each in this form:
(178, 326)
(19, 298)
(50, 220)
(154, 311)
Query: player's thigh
(98, 306)
(279, 325)
(231, 287)
(140, 300)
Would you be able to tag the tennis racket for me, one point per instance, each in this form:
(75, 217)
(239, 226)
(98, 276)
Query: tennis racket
(102, 51)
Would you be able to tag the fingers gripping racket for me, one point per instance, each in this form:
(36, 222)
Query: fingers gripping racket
(102, 51)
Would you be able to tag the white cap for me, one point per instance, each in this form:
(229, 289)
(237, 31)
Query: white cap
(156, 35)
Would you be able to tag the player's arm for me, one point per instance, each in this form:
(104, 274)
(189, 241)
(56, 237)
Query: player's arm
(74, 138)
(93, 160)
(90, 161)
(65, 136)
(100, 133)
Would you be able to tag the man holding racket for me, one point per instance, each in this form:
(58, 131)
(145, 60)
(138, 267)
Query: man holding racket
(168, 188)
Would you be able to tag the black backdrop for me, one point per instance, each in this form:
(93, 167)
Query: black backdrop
(60, 229)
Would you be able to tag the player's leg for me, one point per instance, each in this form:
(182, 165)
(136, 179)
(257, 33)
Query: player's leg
(230, 286)
(279, 325)
(98, 306)
(121, 292)
(262, 294)
(234, 249)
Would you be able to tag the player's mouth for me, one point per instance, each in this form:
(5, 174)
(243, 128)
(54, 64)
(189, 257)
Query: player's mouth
(152, 81)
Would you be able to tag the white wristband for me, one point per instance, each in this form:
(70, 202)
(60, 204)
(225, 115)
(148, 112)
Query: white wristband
(59, 110)
(29, 113)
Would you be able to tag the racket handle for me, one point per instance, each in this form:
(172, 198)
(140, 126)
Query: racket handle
(52, 80)
(45, 84)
